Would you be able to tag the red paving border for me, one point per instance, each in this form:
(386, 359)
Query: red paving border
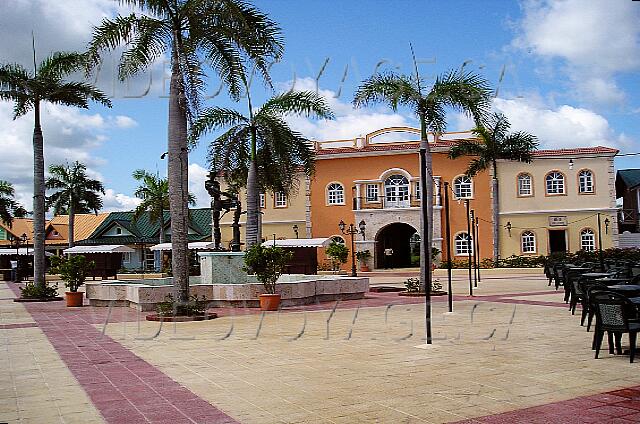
(123, 387)
(617, 406)
(12, 326)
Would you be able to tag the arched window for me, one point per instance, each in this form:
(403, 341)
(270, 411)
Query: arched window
(462, 244)
(528, 241)
(525, 185)
(396, 191)
(335, 194)
(337, 239)
(587, 240)
(555, 182)
(585, 181)
(463, 187)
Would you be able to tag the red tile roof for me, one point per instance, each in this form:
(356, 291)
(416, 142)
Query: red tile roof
(576, 151)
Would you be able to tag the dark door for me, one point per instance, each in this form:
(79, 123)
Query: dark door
(396, 237)
(557, 241)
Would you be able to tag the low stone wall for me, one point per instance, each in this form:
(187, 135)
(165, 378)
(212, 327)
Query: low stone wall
(294, 289)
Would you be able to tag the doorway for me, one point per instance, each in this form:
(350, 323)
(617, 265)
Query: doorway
(557, 241)
(398, 238)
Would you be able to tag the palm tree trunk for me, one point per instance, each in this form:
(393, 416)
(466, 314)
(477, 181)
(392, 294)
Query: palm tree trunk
(495, 206)
(39, 265)
(426, 218)
(161, 226)
(251, 234)
(178, 182)
(72, 223)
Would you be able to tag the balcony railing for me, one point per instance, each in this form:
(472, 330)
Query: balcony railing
(386, 202)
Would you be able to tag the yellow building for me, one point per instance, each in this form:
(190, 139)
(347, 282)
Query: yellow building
(552, 204)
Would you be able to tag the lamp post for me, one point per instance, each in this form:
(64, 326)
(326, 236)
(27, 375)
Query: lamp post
(469, 248)
(477, 251)
(351, 230)
(295, 230)
(448, 242)
(473, 241)
(600, 255)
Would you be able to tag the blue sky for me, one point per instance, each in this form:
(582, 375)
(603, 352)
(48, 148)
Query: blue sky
(570, 76)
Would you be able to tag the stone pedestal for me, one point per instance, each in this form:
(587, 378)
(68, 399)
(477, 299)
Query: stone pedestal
(224, 268)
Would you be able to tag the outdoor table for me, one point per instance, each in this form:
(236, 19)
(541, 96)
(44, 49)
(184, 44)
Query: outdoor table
(613, 280)
(628, 290)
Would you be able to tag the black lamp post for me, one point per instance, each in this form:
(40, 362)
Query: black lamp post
(23, 239)
(600, 255)
(469, 248)
(606, 225)
(448, 242)
(351, 230)
(473, 241)
(295, 230)
(477, 251)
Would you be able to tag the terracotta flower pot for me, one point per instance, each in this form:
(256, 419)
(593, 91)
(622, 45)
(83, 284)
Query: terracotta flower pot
(364, 268)
(74, 298)
(269, 302)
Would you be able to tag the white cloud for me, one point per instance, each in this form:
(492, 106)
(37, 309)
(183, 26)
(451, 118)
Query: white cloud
(595, 39)
(560, 127)
(197, 176)
(349, 122)
(122, 121)
(113, 201)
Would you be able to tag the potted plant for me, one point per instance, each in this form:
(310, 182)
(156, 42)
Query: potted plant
(363, 257)
(73, 271)
(267, 263)
(338, 253)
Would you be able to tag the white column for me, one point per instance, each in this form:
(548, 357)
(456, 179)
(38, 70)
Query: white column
(436, 182)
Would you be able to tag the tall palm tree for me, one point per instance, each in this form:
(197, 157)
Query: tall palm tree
(225, 35)
(494, 143)
(74, 192)
(457, 89)
(260, 151)
(9, 208)
(27, 89)
(154, 192)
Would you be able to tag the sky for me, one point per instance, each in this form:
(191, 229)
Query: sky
(569, 76)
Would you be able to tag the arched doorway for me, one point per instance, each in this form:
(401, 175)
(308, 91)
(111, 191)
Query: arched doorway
(400, 238)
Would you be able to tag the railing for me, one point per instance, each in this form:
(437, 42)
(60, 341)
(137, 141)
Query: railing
(386, 202)
(627, 216)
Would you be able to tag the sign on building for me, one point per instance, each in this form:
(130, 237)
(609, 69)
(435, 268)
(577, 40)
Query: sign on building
(557, 221)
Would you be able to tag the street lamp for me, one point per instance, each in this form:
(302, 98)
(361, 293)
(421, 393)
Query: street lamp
(508, 227)
(606, 225)
(351, 231)
(295, 230)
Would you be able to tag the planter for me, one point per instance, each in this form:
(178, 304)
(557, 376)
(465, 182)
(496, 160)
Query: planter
(269, 302)
(37, 299)
(74, 299)
(422, 294)
(364, 268)
(181, 318)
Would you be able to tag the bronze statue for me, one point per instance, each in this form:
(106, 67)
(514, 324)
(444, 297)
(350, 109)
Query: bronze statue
(212, 185)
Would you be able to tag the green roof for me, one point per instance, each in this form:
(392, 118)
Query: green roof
(627, 179)
(145, 231)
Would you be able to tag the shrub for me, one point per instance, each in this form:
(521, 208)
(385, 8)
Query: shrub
(412, 285)
(35, 291)
(193, 306)
(338, 253)
(363, 256)
(73, 270)
(267, 263)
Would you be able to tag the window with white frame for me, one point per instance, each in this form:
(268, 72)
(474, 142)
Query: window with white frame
(126, 257)
(280, 200)
(525, 186)
(337, 239)
(587, 240)
(263, 201)
(372, 193)
(463, 244)
(585, 181)
(463, 187)
(417, 196)
(555, 182)
(335, 194)
(528, 240)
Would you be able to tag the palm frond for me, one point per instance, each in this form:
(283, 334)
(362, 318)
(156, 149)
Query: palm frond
(60, 64)
(149, 40)
(76, 94)
(108, 36)
(387, 88)
(467, 92)
(466, 148)
(307, 103)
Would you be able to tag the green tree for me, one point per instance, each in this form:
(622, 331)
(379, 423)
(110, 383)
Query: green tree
(339, 254)
(466, 92)
(260, 151)
(73, 192)
(493, 143)
(28, 90)
(154, 192)
(225, 35)
(9, 208)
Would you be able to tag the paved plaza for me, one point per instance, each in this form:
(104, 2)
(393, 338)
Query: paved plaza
(512, 353)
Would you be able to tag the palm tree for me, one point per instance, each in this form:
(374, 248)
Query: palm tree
(9, 208)
(459, 90)
(226, 35)
(154, 192)
(260, 151)
(27, 90)
(494, 143)
(74, 193)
